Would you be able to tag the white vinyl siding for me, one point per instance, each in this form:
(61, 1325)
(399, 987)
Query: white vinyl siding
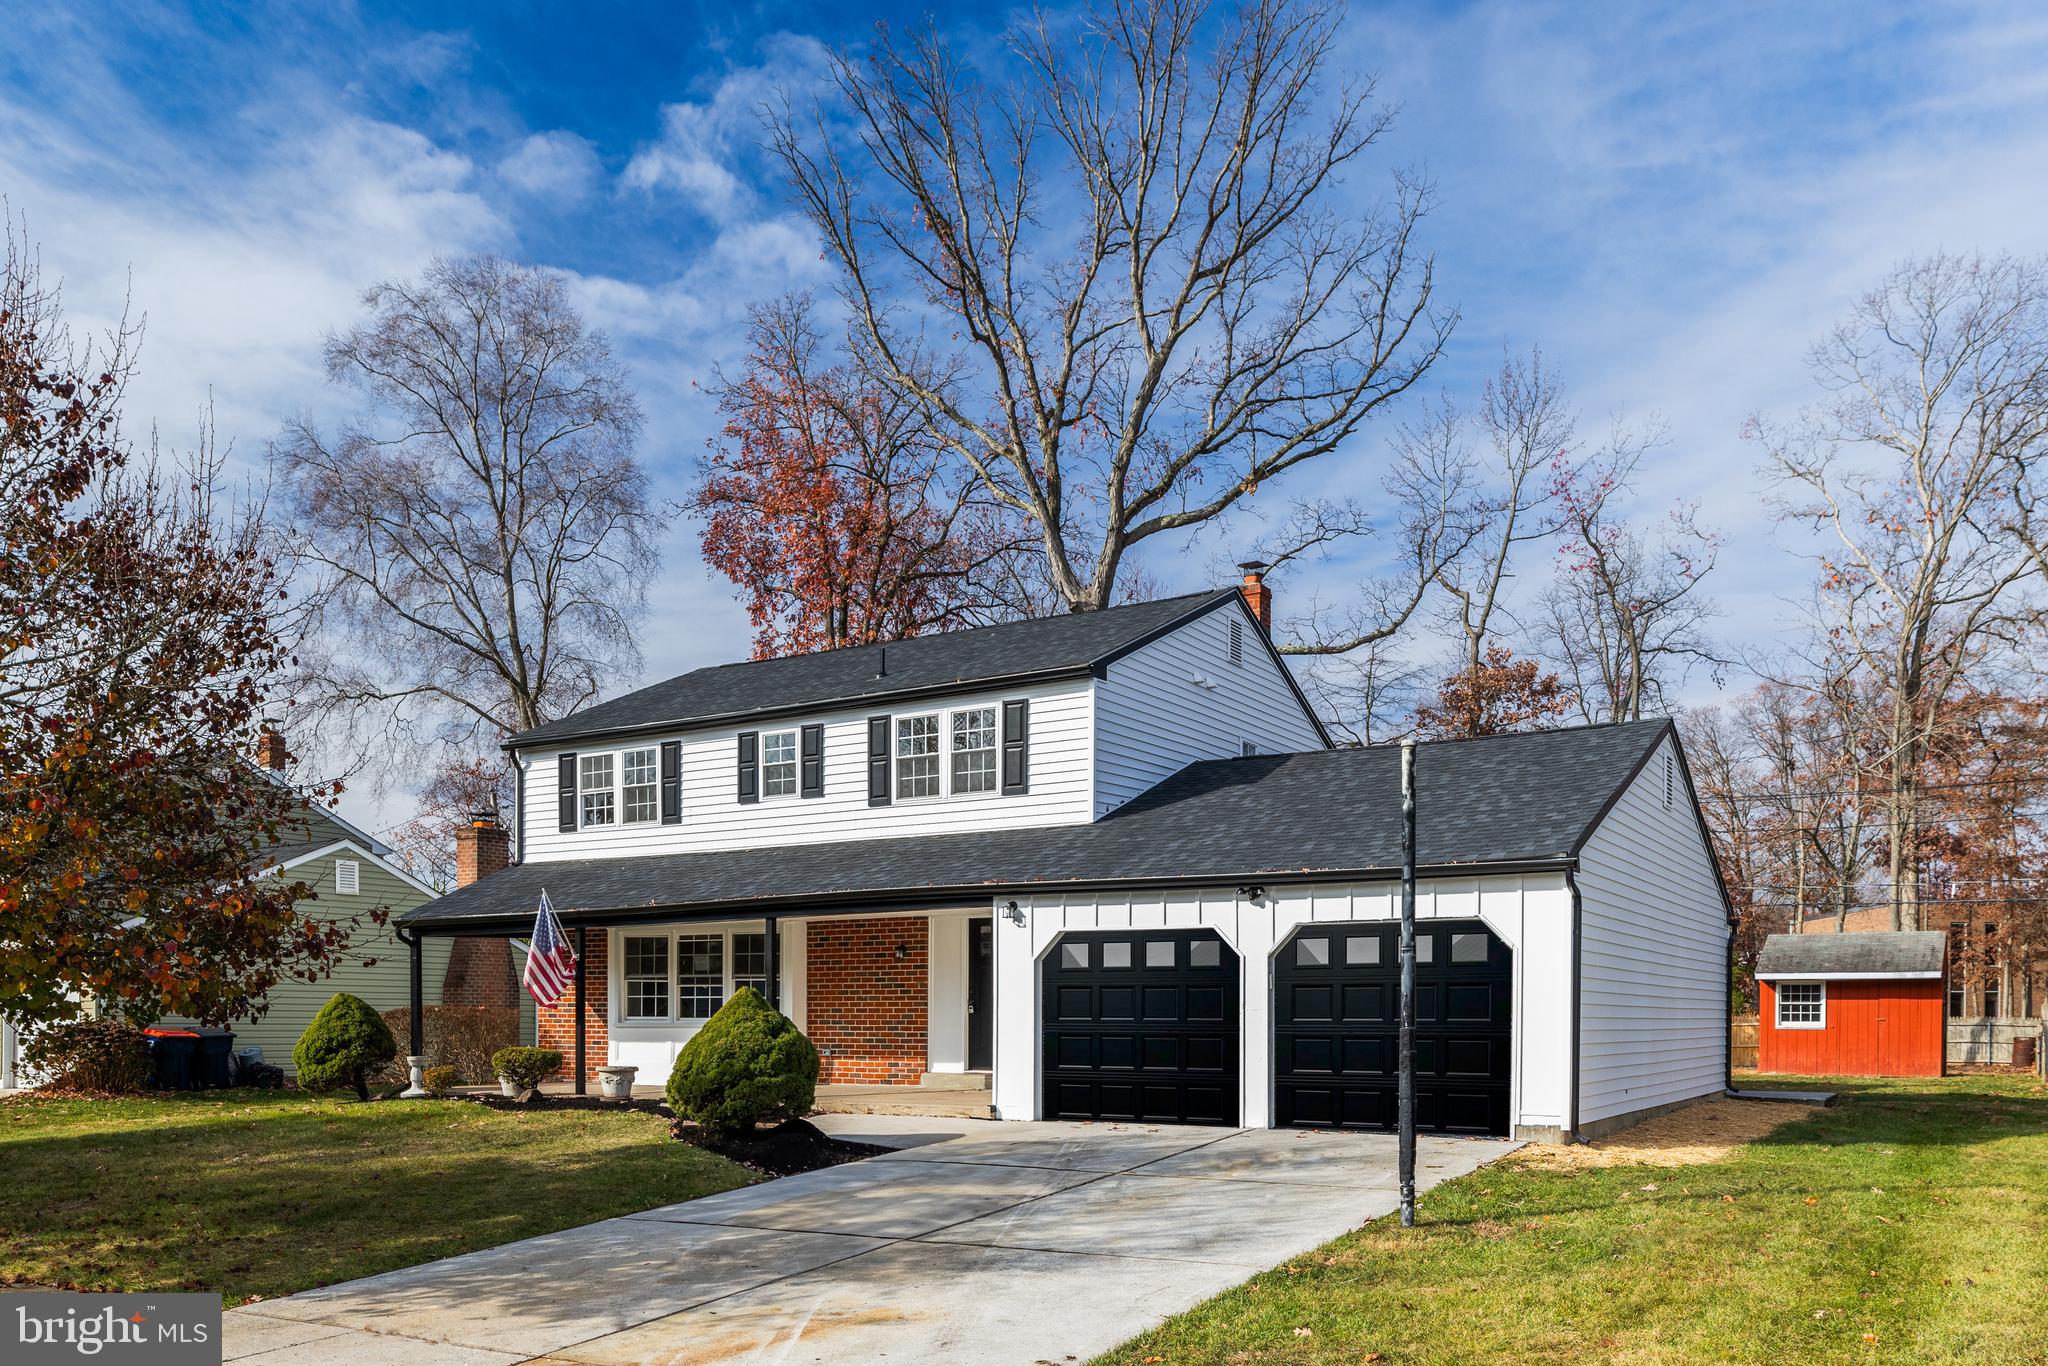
(1531, 914)
(1181, 698)
(1654, 965)
(713, 817)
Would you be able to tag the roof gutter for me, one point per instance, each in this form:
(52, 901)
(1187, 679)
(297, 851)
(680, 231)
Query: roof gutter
(931, 898)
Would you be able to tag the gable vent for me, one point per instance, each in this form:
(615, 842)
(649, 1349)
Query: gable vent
(346, 880)
(1670, 779)
(1237, 642)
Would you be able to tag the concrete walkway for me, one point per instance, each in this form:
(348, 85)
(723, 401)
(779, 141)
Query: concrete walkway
(983, 1242)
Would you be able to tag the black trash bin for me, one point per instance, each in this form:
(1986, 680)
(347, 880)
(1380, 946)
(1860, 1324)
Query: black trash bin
(173, 1051)
(215, 1065)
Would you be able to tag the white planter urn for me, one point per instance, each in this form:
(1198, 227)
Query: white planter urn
(416, 1069)
(615, 1081)
(512, 1089)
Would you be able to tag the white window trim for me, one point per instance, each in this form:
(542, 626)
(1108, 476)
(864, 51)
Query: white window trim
(674, 1020)
(796, 749)
(618, 787)
(1783, 1023)
(945, 717)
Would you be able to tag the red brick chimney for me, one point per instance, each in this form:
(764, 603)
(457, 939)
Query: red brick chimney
(1256, 594)
(480, 970)
(270, 750)
(482, 847)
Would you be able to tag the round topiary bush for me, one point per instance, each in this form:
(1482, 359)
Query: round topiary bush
(344, 1045)
(526, 1068)
(748, 1065)
(91, 1055)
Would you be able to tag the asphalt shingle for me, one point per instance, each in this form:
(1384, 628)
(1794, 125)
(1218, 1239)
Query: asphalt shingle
(1827, 955)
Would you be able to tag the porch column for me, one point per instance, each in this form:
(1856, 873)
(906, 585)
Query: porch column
(582, 1087)
(415, 1058)
(774, 963)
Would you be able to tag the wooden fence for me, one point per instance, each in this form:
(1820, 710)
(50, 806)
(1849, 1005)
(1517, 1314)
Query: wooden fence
(1742, 1040)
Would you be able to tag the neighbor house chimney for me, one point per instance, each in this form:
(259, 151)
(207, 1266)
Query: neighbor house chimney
(482, 847)
(1256, 594)
(270, 750)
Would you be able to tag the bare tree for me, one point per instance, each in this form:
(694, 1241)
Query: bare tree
(1627, 622)
(1153, 297)
(1529, 444)
(1915, 468)
(480, 534)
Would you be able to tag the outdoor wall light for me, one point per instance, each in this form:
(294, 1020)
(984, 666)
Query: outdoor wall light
(1253, 893)
(1014, 913)
(902, 952)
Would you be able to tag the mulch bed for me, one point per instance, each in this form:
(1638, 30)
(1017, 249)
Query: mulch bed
(793, 1146)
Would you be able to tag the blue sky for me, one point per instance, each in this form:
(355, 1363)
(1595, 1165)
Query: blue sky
(1674, 201)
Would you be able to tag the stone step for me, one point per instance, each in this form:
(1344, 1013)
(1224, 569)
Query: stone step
(955, 1081)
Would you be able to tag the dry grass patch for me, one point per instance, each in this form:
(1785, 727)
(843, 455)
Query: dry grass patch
(1707, 1131)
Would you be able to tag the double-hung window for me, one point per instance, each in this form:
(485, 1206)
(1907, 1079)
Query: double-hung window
(700, 975)
(974, 750)
(1802, 1005)
(778, 763)
(646, 977)
(640, 784)
(750, 962)
(594, 788)
(917, 757)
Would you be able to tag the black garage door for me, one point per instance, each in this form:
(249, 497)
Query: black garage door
(1141, 1025)
(1336, 1027)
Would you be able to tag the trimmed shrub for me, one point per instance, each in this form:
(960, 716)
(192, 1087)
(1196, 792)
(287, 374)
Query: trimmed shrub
(748, 1065)
(91, 1055)
(526, 1068)
(461, 1037)
(344, 1047)
(440, 1080)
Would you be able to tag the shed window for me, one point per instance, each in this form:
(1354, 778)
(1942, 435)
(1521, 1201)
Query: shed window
(1802, 1005)
(778, 763)
(346, 877)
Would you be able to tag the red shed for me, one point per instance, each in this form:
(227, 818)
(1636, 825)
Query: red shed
(1853, 1005)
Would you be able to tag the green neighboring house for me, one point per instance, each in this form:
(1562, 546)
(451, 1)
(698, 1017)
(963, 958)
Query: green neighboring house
(352, 874)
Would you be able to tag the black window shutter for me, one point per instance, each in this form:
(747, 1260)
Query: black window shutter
(1016, 746)
(750, 765)
(566, 788)
(878, 761)
(671, 782)
(813, 761)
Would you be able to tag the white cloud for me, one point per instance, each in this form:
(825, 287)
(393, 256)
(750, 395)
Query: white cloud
(557, 164)
(707, 148)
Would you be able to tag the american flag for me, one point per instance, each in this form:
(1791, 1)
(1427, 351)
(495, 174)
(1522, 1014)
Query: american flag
(550, 962)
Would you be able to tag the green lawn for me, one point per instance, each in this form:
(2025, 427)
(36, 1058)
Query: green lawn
(264, 1193)
(1908, 1222)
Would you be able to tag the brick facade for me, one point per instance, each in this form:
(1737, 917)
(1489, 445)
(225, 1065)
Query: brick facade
(480, 973)
(864, 1005)
(557, 1027)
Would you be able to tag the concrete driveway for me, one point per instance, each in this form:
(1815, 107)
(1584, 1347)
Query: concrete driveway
(976, 1241)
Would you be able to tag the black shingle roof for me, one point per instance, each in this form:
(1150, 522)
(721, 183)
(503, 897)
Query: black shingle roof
(1512, 799)
(1041, 648)
(1828, 955)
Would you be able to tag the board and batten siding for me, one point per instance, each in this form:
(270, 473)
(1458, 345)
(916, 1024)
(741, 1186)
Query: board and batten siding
(1653, 989)
(386, 984)
(713, 817)
(1180, 699)
(1531, 913)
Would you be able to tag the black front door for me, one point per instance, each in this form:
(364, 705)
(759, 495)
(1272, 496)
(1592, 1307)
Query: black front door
(1141, 1025)
(981, 1006)
(1336, 1027)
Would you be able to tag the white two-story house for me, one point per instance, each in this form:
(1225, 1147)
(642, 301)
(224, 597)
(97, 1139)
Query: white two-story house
(1111, 865)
